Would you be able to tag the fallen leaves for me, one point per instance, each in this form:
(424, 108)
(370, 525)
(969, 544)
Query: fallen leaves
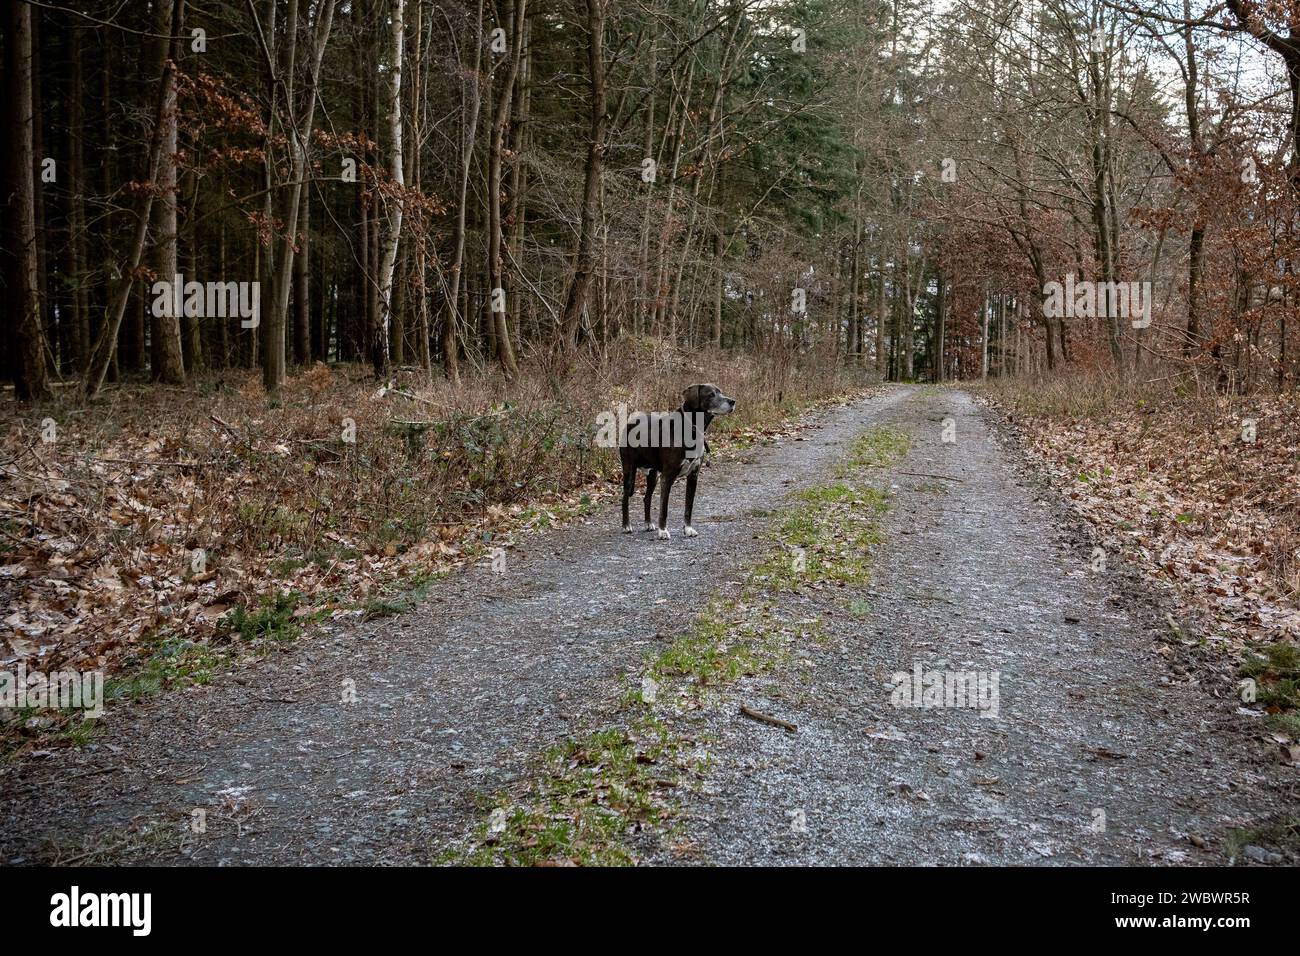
(155, 515)
(153, 519)
(1174, 487)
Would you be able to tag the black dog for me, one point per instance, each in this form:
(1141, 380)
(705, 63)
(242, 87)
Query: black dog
(670, 444)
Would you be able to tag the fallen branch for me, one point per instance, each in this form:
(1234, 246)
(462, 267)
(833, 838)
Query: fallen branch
(1105, 752)
(151, 464)
(230, 429)
(416, 398)
(768, 719)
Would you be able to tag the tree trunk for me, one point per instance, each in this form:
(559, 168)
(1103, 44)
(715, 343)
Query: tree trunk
(665, 233)
(299, 135)
(167, 361)
(191, 331)
(498, 312)
(46, 304)
(519, 178)
(31, 380)
(397, 26)
(453, 316)
(853, 342)
(106, 341)
(77, 212)
(719, 279)
(1195, 259)
(126, 356)
(264, 265)
(302, 286)
(880, 317)
(984, 338)
(940, 317)
(223, 335)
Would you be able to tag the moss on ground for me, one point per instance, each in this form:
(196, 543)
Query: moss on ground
(593, 793)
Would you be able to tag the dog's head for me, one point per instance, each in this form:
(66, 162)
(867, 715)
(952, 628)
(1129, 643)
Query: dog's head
(707, 399)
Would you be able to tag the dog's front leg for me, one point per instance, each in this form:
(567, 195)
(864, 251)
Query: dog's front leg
(629, 485)
(690, 503)
(650, 479)
(663, 505)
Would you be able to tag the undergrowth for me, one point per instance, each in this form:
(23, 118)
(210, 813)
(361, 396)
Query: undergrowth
(196, 524)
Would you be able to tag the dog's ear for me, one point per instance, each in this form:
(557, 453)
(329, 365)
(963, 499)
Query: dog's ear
(693, 397)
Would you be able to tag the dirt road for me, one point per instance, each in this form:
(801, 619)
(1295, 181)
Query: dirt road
(1094, 756)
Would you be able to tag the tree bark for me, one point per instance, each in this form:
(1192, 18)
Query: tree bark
(77, 211)
(583, 260)
(497, 309)
(302, 286)
(940, 318)
(106, 341)
(31, 379)
(167, 361)
(396, 170)
(191, 331)
(299, 134)
(453, 316)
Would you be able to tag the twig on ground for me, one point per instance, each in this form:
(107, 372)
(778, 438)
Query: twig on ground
(768, 719)
(416, 398)
(145, 461)
(1105, 752)
(231, 431)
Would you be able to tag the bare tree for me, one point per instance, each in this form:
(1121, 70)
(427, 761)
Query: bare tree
(576, 301)
(31, 380)
(397, 29)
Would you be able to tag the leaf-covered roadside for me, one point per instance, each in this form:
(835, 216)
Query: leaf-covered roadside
(162, 536)
(1202, 494)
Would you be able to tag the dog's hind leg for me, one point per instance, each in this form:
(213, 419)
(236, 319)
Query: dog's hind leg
(667, 486)
(650, 478)
(629, 485)
(690, 503)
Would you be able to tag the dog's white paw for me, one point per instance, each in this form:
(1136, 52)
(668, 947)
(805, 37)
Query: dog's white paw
(691, 532)
(650, 527)
(627, 529)
(663, 534)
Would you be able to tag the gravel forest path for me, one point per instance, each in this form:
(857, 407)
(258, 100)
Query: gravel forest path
(1095, 755)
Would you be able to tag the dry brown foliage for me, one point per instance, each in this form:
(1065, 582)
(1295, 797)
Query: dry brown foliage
(101, 527)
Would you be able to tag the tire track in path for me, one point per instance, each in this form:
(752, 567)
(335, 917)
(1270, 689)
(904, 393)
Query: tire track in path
(1095, 757)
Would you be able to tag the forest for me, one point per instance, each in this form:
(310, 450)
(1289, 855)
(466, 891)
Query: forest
(315, 313)
(471, 187)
